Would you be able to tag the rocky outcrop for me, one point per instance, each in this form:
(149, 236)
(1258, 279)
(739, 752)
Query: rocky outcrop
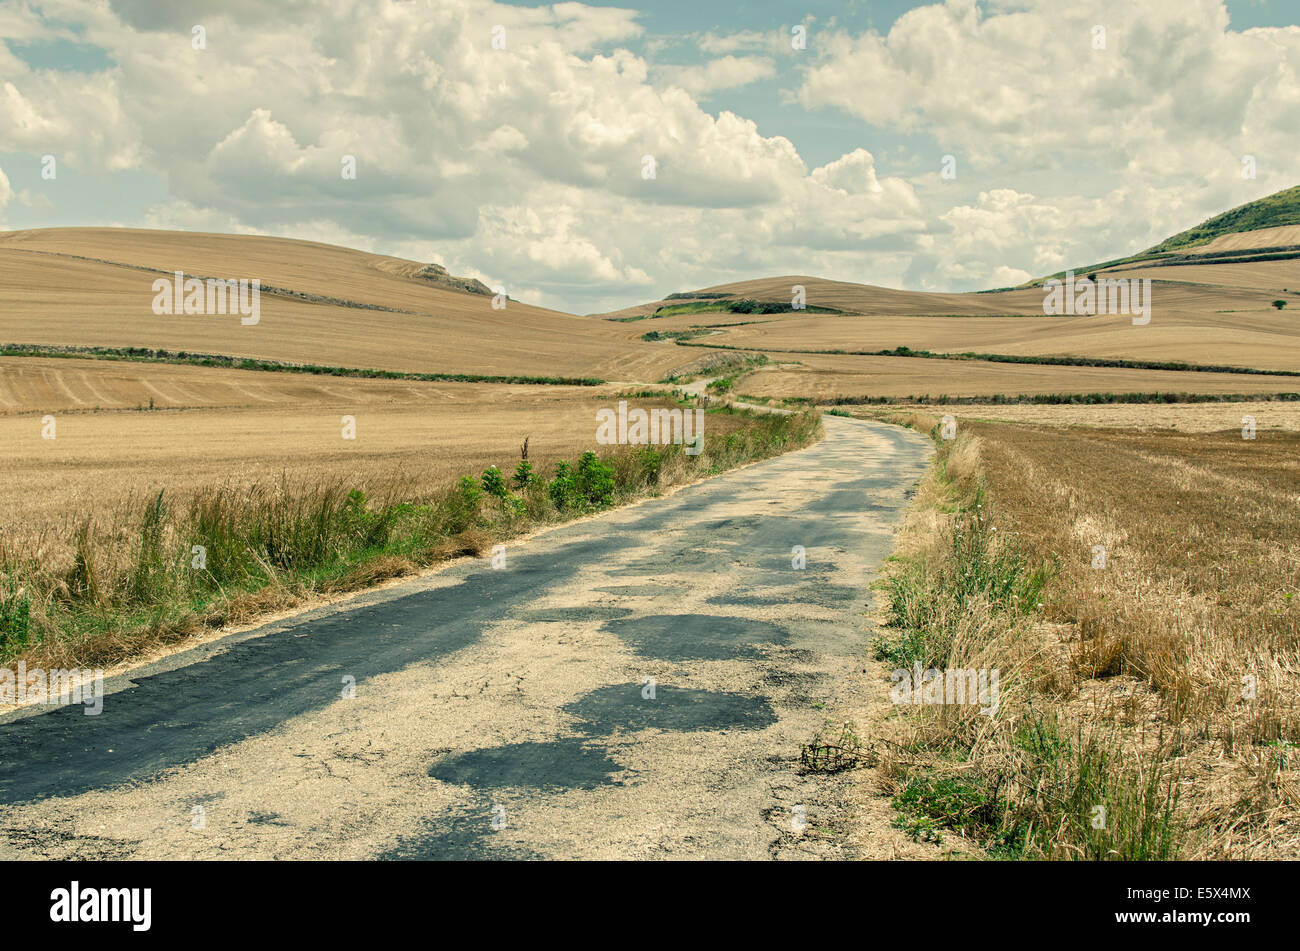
(437, 274)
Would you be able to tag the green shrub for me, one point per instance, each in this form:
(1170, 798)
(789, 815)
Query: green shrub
(523, 477)
(15, 618)
(595, 480)
(563, 489)
(651, 461)
(494, 483)
(461, 507)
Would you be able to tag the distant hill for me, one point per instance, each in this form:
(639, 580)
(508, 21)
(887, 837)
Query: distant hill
(1267, 229)
(1273, 211)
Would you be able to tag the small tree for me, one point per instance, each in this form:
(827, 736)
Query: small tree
(1279, 304)
(523, 477)
(494, 483)
(595, 480)
(562, 489)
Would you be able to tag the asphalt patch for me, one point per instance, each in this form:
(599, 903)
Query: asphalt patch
(621, 707)
(683, 637)
(567, 763)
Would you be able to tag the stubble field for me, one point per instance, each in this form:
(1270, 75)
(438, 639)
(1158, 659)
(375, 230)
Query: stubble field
(1152, 662)
(206, 427)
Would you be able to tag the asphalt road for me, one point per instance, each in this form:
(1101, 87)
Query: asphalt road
(507, 713)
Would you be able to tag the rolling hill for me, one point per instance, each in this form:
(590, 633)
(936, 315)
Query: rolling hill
(1213, 289)
(320, 304)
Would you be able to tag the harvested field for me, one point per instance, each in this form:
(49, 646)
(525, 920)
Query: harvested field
(825, 377)
(1153, 672)
(1255, 335)
(1279, 237)
(1199, 602)
(50, 293)
(1178, 417)
(213, 427)
(1224, 318)
(1269, 276)
(857, 298)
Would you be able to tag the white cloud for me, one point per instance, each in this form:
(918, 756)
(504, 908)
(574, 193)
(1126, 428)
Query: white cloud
(524, 165)
(1174, 91)
(726, 72)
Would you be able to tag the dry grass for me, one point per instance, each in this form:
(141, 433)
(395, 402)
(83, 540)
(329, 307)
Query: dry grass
(1171, 675)
(1199, 602)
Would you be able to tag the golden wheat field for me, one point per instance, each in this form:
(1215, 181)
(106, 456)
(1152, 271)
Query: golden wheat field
(211, 426)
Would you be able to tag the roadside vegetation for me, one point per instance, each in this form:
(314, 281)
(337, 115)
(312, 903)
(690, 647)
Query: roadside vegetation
(122, 583)
(734, 364)
(1139, 594)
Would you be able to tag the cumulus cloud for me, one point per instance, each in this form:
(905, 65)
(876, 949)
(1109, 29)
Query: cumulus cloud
(1172, 91)
(726, 72)
(524, 161)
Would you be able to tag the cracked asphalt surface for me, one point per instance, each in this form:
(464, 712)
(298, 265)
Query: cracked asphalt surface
(635, 686)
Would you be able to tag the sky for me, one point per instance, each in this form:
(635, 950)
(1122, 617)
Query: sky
(592, 156)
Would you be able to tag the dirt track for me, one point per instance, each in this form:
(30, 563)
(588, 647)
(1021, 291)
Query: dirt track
(504, 713)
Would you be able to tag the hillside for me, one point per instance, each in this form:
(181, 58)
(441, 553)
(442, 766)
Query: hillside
(1213, 288)
(1261, 230)
(1276, 210)
(321, 304)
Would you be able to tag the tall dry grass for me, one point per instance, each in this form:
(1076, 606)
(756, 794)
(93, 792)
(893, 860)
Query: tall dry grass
(1161, 687)
(1031, 778)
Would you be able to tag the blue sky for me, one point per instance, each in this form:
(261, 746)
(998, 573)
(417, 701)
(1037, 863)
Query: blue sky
(522, 166)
